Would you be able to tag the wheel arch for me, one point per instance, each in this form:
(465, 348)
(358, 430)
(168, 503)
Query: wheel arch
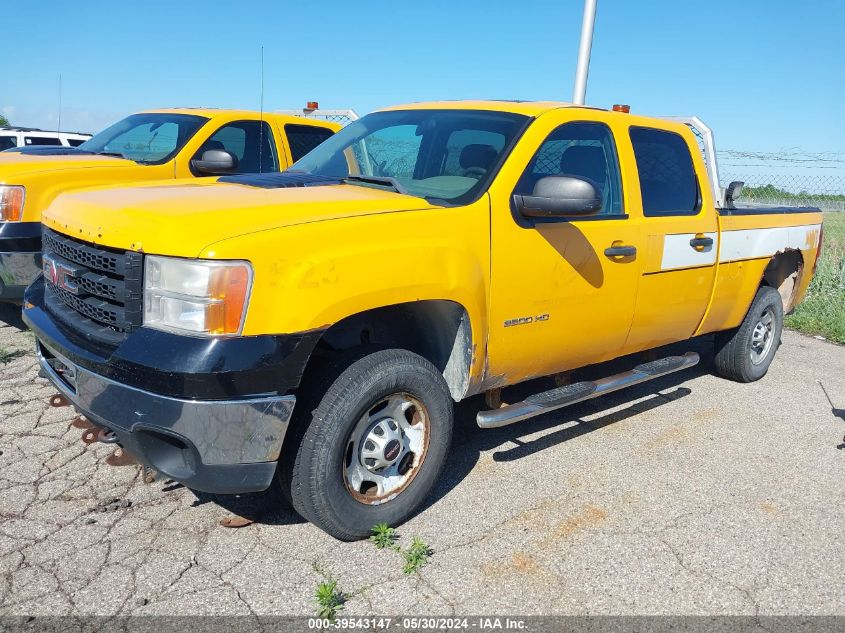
(439, 330)
(784, 273)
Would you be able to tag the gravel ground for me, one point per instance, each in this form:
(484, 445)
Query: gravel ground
(690, 495)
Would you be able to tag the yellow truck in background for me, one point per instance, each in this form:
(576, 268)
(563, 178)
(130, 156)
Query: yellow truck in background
(314, 327)
(153, 145)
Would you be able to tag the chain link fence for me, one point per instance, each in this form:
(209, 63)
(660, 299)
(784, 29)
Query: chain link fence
(802, 190)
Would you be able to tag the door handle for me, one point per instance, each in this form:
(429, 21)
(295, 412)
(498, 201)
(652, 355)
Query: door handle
(701, 242)
(621, 251)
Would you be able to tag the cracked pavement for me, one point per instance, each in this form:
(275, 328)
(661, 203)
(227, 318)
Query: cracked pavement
(688, 495)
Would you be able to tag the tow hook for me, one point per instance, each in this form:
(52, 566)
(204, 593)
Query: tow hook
(148, 475)
(95, 434)
(121, 457)
(58, 400)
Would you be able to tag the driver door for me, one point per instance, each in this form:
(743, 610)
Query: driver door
(560, 298)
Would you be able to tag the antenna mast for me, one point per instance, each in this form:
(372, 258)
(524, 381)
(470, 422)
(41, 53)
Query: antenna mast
(59, 126)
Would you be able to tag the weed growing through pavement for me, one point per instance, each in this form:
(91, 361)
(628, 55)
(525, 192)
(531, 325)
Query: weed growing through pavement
(385, 537)
(330, 598)
(417, 555)
(7, 356)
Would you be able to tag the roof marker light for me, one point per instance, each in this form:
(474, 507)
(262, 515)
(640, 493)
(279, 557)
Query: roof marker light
(617, 107)
(312, 105)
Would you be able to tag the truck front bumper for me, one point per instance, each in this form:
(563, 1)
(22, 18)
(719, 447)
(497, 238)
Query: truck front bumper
(218, 446)
(20, 257)
(209, 413)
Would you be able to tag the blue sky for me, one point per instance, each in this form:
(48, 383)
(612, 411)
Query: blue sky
(766, 75)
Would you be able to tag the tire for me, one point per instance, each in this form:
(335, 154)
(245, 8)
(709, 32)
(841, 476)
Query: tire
(322, 466)
(740, 355)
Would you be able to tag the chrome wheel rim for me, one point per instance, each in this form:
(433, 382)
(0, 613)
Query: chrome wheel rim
(763, 337)
(386, 449)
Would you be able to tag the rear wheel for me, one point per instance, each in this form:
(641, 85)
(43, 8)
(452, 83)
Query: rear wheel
(368, 442)
(744, 354)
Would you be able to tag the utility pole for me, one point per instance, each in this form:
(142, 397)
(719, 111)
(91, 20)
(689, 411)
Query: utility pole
(579, 93)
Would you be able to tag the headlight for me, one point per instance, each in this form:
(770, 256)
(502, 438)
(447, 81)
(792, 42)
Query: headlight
(204, 297)
(11, 202)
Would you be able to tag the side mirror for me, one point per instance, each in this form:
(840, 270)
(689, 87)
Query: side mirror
(214, 162)
(560, 196)
(732, 192)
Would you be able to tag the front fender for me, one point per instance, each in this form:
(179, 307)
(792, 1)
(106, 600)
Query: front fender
(310, 276)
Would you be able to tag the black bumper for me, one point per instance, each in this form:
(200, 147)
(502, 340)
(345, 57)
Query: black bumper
(207, 413)
(20, 257)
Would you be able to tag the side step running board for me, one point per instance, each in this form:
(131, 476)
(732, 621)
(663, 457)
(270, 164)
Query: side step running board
(578, 392)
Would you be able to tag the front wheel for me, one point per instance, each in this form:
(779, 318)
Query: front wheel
(744, 354)
(369, 441)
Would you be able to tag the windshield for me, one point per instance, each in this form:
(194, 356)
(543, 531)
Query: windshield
(441, 155)
(146, 138)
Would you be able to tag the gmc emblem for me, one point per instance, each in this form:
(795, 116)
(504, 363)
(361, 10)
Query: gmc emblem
(59, 274)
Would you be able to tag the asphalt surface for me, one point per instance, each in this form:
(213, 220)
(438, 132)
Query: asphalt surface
(690, 495)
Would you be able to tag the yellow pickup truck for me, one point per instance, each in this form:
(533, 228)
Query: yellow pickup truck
(154, 145)
(314, 327)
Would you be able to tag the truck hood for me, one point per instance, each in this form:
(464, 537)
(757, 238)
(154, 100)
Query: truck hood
(14, 166)
(183, 219)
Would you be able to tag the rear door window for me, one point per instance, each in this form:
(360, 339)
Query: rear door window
(250, 142)
(303, 138)
(667, 177)
(41, 140)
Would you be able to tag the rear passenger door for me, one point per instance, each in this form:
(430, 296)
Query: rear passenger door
(680, 232)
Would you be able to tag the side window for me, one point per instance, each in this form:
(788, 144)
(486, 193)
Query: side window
(75, 142)
(41, 140)
(250, 142)
(303, 138)
(578, 149)
(667, 177)
(7, 142)
(472, 152)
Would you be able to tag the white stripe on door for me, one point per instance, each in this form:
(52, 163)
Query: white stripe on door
(677, 252)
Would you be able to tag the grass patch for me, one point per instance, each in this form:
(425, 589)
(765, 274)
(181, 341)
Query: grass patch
(823, 310)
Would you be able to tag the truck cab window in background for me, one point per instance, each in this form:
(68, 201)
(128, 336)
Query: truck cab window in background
(667, 176)
(42, 140)
(581, 149)
(151, 138)
(7, 142)
(448, 156)
(303, 138)
(250, 142)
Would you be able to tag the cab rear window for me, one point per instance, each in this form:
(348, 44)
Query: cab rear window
(303, 138)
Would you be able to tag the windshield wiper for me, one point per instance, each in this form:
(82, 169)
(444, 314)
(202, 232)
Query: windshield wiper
(118, 154)
(379, 180)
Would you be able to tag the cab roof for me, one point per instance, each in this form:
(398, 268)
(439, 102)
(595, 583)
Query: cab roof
(529, 108)
(213, 113)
